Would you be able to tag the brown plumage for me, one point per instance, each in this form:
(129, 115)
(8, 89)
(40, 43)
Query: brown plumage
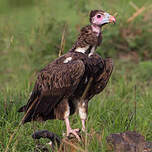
(59, 80)
(60, 85)
(88, 37)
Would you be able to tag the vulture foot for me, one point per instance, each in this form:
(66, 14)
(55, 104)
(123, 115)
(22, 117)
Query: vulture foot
(70, 130)
(74, 132)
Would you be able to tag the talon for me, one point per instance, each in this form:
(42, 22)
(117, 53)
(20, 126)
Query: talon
(77, 130)
(74, 132)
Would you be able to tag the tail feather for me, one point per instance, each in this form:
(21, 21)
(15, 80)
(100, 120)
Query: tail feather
(33, 97)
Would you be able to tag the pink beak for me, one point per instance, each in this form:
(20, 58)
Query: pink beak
(112, 19)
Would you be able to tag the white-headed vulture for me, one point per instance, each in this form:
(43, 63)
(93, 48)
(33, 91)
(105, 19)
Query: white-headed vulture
(60, 85)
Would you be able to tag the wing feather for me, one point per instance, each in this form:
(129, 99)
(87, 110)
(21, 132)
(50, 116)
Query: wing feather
(54, 82)
(61, 77)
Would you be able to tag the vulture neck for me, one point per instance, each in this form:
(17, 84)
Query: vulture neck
(89, 50)
(96, 29)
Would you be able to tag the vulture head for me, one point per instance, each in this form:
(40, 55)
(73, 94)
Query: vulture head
(100, 18)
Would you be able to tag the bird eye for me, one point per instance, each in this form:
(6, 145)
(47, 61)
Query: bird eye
(98, 16)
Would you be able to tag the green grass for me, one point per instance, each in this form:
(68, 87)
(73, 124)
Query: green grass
(110, 112)
(30, 39)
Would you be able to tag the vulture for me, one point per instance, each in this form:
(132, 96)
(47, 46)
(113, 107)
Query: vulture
(60, 85)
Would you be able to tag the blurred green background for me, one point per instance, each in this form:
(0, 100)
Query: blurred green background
(30, 38)
(31, 31)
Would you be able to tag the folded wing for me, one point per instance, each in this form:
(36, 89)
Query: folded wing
(54, 82)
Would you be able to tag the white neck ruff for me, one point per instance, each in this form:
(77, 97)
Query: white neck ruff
(82, 50)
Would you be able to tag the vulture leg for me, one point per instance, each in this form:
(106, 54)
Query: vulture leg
(83, 125)
(62, 112)
(83, 110)
(70, 130)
